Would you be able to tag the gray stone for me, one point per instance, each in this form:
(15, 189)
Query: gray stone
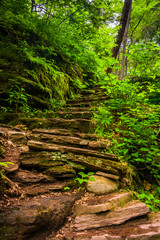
(101, 185)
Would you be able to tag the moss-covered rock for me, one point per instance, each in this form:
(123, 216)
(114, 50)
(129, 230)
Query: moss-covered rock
(44, 79)
(62, 171)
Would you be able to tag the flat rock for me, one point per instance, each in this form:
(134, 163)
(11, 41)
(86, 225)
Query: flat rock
(62, 132)
(40, 159)
(106, 237)
(101, 185)
(81, 124)
(111, 218)
(98, 164)
(142, 229)
(61, 139)
(43, 188)
(25, 176)
(75, 114)
(107, 175)
(111, 202)
(53, 147)
(36, 216)
(45, 159)
(17, 137)
(100, 144)
(61, 171)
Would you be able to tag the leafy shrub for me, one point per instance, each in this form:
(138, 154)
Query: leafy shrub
(132, 124)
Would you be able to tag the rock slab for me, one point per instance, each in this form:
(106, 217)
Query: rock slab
(110, 218)
(114, 201)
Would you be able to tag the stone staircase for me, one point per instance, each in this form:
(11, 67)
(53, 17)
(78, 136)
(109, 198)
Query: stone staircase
(48, 153)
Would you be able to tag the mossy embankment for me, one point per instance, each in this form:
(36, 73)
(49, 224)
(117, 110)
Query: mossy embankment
(35, 73)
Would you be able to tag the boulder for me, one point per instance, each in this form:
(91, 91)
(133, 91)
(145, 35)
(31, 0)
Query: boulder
(101, 185)
(35, 217)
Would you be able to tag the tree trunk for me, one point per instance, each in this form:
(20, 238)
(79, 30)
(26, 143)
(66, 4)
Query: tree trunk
(124, 47)
(32, 6)
(123, 23)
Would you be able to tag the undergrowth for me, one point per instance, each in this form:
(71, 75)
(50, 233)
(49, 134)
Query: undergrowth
(131, 121)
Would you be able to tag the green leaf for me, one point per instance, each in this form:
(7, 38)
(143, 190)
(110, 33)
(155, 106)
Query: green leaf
(90, 173)
(82, 174)
(91, 178)
(144, 149)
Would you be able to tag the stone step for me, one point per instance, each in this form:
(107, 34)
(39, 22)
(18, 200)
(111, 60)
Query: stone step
(43, 188)
(66, 132)
(94, 91)
(91, 98)
(73, 109)
(42, 146)
(71, 141)
(110, 218)
(84, 103)
(139, 229)
(26, 177)
(74, 115)
(44, 160)
(105, 203)
(82, 125)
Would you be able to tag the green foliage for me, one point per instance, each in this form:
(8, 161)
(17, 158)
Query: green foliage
(144, 60)
(145, 21)
(152, 200)
(18, 96)
(132, 123)
(83, 178)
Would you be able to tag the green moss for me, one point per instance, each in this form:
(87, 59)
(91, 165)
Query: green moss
(59, 170)
(44, 73)
(76, 166)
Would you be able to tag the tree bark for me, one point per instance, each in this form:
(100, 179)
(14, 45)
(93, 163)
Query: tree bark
(123, 23)
(124, 47)
(32, 6)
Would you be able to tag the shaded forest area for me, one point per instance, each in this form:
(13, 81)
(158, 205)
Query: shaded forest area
(51, 50)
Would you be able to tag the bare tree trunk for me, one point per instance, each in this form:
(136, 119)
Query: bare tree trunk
(123, 22)
(124, 47)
